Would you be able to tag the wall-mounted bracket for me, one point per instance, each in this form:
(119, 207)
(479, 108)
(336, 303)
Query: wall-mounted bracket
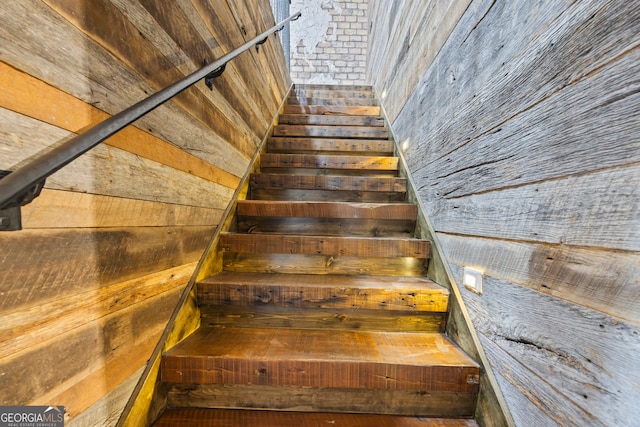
(263, 41)
(10, 215)
(208, 79)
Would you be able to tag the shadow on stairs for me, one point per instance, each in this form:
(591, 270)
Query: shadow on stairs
(321, 313)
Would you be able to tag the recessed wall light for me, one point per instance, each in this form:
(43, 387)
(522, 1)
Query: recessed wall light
(472, 280)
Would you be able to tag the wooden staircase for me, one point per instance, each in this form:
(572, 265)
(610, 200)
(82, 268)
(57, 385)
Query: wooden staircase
(322, 312)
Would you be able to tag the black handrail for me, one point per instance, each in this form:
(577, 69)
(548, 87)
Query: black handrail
(17, 187)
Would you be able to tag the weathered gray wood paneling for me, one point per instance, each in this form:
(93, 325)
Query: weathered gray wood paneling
(522, 138)
(88, 286)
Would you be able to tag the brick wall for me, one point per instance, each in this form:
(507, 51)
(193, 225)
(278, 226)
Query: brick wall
(329, 41)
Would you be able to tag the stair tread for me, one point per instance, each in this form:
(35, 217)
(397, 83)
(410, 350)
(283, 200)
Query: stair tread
(318, 209)
(200, 417)
(321, 358)
(383, 247)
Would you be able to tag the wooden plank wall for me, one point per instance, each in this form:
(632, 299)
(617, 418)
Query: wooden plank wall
(524, 142)
(89, 284)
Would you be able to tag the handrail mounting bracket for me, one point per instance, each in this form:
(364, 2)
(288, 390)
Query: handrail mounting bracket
(10, 214)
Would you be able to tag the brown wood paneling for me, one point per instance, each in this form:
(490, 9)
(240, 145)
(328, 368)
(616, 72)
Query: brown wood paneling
(72, 261)
(60, 109)
(315, 358)
(27, 327)
(88, 360)
(107, 25)
(237, 418)
(67, 209)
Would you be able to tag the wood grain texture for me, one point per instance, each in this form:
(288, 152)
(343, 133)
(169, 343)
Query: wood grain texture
(405, 40)
(68, 209)
(106, 170)
(313, 291)
(23, 328)
(599, 209)
(366, 132)
(399, 211)
(314, 358)
(328, 246)
(67, 112)
(365, 164)
(333, 183)
(77, 260)
(331, 109)
(89, 360)
(324, 264)
(108, 409)
(584, 276)
(329, 120)
(562, 349)
(350, 319)
(314, 145)
(229, 418)
(57, 64)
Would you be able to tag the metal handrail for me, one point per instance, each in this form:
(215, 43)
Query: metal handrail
(20, 183)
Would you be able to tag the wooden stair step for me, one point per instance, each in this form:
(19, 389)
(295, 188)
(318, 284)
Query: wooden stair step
(277, 181)
(327, 218)
(362, 102)
(328, 161)
(422, 362)
(201, 417)
(367, 132)
(330, 120)
(332, 87)
(352, 210)
(315, 291)
(331, 145)
(332, 93)
(347, 246)
(352, 110)
(339, 188)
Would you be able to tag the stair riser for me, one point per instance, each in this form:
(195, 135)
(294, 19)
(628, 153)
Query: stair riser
(317, 374)
(325, 245)
(359, 102)
(362, 132)
(327, 195)
(261, 316)
(333, 93)
(304, 296)
(333, 183)
(433, 404)
(319, 264)
(330, 120)
(332, 109)
(327, 226)
(330, 146)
